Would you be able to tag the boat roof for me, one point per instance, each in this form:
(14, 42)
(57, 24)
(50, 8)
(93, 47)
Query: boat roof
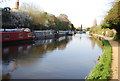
(17, 29)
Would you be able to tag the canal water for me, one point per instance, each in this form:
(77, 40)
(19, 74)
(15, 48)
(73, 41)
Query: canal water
(64, 58)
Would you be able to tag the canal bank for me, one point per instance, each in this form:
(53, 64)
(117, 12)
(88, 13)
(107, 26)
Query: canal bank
(115, 47)
(103, 69)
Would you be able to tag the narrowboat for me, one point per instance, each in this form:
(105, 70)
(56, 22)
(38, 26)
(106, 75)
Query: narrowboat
(71, 33)
(44, 34)
(49, 34)
(13, 35)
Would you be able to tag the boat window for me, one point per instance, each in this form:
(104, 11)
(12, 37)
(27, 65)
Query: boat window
(6, 36)
(21, 35)
(29, 34)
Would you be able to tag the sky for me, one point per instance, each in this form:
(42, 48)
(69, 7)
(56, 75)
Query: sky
(78, 11)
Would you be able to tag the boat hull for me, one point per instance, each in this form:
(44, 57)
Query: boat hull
(16, 37)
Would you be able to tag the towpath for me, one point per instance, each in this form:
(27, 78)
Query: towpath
(115, 56)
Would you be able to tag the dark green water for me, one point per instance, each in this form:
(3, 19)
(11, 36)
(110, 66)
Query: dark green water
(67, 58)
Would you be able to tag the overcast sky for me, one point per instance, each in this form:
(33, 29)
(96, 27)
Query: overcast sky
(79, 11)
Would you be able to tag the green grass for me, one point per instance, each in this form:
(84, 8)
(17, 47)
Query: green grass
(103, 69)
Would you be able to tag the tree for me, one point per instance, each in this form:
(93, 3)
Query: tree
(63, 17)
(88, 29)
(112, 19)
(81, 28)
(39, 18)
(72, 27)
(32, 17)
(51, 21)
(6, 17)
(62, 22)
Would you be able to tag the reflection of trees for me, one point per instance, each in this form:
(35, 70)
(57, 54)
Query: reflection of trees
(80, 38)
(63, 44)
(95, 41)
(62, 47)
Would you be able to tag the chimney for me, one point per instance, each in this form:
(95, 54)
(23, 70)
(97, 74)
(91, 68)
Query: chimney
(17, 4)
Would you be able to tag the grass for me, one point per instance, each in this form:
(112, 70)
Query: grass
(103, 69)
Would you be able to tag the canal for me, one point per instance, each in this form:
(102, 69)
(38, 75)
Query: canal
(65, 58)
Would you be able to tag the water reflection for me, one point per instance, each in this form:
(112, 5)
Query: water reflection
(95, 41)
(12, 54)
(9, 66)
(64, 58)
(0, 62)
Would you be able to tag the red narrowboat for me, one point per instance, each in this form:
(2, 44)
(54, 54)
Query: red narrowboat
(15, 35)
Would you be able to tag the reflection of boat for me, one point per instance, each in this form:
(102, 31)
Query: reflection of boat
(28, 55)
(13, 50)
(41, 42)
(12, 35)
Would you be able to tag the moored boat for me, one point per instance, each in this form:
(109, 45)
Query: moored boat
(12, 35)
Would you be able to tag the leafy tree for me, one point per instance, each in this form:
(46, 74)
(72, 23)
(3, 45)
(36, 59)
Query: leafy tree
(112, 20)
(32, 17)
(63, 17)
(88, 29)
(5, 16)
(72, 27)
